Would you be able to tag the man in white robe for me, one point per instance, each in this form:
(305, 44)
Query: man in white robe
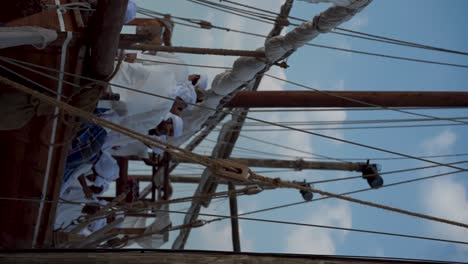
(93, 179)
(143, 110)
(68, 213)
(106, 168)
(119, 145)
(176, 65)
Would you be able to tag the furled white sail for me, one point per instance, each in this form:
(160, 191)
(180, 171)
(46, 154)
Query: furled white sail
(245, 68)
(19, 36)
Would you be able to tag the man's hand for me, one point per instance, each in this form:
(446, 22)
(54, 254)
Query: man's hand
(151, 162)
(88, 192)
(130, 57)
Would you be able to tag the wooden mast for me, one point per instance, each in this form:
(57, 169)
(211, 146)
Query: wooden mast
(223, 150)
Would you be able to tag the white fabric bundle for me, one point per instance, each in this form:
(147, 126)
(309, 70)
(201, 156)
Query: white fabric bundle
(171, 62)
(245, 68)
(168, 60)
(18, 36)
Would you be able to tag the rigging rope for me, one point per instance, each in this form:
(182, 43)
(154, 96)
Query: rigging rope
(350, 122)
(351, 159)
(343, 128)
(319, 109)
(325, 92)
(342, 97)
(362, 102)
(384, 173)
(331, 47)
(222, 168)
(221, 217)
(260, 120)
(345, 98)
(352, 192)
(355, 34)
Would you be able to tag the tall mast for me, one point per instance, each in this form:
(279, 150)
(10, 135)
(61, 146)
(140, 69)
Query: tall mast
(229, 134)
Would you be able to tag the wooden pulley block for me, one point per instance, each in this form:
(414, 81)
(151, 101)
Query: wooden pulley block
(231, 171)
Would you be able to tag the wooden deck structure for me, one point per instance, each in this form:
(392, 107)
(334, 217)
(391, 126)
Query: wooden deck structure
(25, 151)
(32, 167)
(189, 257)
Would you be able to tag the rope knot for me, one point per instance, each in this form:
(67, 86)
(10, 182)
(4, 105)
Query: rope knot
(276, 181)
(231, 171)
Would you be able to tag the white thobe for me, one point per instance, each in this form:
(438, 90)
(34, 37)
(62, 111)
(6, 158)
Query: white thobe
(67, 212)
(144, 110)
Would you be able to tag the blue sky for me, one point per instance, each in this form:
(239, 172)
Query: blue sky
(432, 22)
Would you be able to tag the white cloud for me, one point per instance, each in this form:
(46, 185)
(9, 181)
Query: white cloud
(445, 197)
(308, 240)
(379, 252)
(441, 143)
(358, 22)
(217, 236)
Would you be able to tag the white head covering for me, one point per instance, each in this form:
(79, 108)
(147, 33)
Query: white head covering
(100, 181)
(107, 167)
(72, 181)
(202, 82)
(177, 123)
(186, 91)
(103, 202)
(159, 151)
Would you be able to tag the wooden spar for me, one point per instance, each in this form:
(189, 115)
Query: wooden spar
(191, 50)
(123, 176)
(331, 99)
(236, 246)
(173, 178)
(299, 164)
(80, 38)
(185, 257)
(107, 23)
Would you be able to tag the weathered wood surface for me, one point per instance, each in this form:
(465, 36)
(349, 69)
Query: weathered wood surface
(105, 28)
(184, 257)
(24, 151)
(349, 99)
(23, 158)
